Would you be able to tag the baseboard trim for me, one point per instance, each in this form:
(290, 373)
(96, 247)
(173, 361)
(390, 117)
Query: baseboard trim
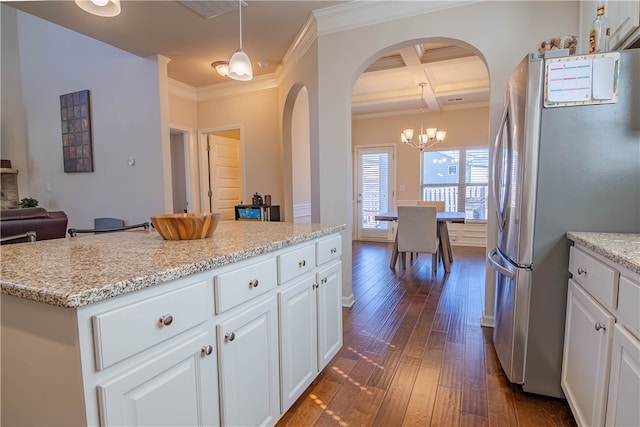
(348, 301)
(488, 321)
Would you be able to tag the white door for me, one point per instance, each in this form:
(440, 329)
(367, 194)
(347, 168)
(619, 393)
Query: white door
(298, 339)
(375, 179)
(248, 362)
(225, 175)
(329, 282)
(172, 388)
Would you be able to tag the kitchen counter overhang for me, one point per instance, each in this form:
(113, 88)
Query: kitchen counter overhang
(73, 272)
(621, 248)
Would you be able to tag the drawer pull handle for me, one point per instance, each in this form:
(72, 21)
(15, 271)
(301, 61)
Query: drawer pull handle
(582, 271)
(302, 263)
(166, 320)
(253, 283)
(334, 250)
(206, 350)
(599, 326)
(230, 336)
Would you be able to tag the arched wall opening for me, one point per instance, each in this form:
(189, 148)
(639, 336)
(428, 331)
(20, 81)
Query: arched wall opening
(296, 156)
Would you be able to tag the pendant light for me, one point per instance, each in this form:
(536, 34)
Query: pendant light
(240, 64)
(106, 8)
(428, 137)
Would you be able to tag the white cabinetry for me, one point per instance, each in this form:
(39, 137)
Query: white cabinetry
(310, 314)
(623, 17)
(247, 331)
(298, 338)
(207, 349)
(585, 373)
(248, 362)
(154, 354)
(170, 388)
(601, 360)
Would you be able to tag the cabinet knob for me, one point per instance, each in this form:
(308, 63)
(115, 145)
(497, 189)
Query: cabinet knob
(206, 350)
(599, 326)
(302, 263)
(315, 286)
(230, 336)
(253, 283)
(582, 271)
(324, 280)
(166, 320)
(334, 250)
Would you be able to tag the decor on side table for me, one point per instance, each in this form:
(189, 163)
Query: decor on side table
(75, 115)
(28, 202)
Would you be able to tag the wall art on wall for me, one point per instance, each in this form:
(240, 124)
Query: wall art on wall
(75, 114)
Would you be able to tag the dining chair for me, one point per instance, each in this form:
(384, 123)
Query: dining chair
(29, 236)
(418, 233)
(439, 205)
(73, 232)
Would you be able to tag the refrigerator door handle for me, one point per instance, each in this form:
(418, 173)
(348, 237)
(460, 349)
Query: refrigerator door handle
(500, 208)
(496, 266)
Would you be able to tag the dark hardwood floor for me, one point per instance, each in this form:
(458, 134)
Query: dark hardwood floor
(415, 354)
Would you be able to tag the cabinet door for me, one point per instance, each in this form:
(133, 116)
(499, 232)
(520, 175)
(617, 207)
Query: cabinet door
(329, 281)
(248, 362)
(298, 339)
(175, 385)
(624, 385)
(585, 363)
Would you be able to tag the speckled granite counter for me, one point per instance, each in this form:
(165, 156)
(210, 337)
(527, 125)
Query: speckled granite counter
(621, 248)
(73, 272)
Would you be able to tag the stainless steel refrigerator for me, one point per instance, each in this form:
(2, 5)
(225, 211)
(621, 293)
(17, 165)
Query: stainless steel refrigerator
(565, 166)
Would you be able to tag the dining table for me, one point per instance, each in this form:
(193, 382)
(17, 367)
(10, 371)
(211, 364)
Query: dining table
(443, 233)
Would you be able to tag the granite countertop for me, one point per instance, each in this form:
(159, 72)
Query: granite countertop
(621, 248)
(73, 272)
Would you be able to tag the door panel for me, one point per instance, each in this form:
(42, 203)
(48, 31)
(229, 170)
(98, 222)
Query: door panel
(375, 193)
(225, 175)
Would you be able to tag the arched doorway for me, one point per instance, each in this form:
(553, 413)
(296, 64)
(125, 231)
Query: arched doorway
(431, 83)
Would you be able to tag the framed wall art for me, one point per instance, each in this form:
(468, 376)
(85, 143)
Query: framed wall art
(75, 115)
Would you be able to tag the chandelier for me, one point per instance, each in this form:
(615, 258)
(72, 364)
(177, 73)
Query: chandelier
(428, 137)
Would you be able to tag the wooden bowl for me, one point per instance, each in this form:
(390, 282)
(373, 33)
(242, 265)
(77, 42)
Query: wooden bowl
(186, 226)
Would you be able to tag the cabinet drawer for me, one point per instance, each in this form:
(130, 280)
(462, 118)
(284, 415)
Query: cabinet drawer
(296, 262)
(329, 249)
(595, 277)
(128, 330)
(628, 301)
(237, 286)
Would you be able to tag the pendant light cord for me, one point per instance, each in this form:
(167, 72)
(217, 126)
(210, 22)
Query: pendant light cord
(240, 10)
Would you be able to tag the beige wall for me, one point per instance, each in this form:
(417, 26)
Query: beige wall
(465, 128)
(126, 113)
(183, 112)
(256, 115)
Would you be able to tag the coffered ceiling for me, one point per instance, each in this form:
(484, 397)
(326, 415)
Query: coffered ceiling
(455, 77)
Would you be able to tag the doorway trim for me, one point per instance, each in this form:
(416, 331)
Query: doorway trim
(191, 166)
(203, 161)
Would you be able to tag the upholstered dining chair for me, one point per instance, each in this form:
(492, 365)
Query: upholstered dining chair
(418, 233)
(73, 232)
(439, 205)
(29, 236)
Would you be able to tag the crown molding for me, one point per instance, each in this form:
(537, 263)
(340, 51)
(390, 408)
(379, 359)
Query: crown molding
(352, 15)
(232, 88)
(182, 90)
(304, 40)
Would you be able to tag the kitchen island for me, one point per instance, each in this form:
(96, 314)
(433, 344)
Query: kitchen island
(127, 328)
(601, 358)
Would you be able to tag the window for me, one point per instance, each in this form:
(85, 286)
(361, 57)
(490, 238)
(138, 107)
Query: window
(460, 178)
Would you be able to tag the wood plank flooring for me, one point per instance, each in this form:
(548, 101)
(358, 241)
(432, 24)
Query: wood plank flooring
(415, 354)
